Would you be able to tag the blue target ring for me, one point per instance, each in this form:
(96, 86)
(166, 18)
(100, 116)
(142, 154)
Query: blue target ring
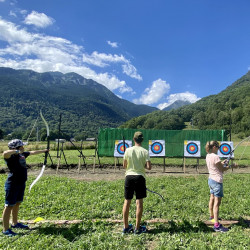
(225, 149)
(120, 148)
(192, 148)
(156, 147)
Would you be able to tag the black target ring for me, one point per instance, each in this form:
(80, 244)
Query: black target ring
(225, 149)
(156, 147)
(120, 148)
(192, 148)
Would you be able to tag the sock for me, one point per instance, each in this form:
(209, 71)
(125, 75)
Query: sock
(211, 217)
(217, 224)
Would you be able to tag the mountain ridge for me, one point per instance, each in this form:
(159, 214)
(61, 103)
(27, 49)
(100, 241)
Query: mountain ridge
(86, 104)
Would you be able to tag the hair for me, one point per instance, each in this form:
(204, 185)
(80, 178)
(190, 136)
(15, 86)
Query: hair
(210, 145)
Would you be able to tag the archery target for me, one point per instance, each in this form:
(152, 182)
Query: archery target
(119, 147)
(225, 149)
(192, 149)
(156, 147)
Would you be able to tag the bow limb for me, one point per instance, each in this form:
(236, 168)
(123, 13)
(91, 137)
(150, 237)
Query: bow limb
(231, 153)
(46, 153)
(156, 193)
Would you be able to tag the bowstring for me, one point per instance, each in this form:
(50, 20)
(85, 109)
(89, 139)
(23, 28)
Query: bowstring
(248, 141)
(32, 130)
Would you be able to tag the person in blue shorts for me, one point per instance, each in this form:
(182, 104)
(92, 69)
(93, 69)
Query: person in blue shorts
(15, 159)
(136, 160)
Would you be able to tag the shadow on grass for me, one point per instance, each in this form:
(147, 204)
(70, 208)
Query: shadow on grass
(69, 233)
(181, 227)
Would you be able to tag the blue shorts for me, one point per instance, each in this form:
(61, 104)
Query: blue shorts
(216, 188)
(13, 194)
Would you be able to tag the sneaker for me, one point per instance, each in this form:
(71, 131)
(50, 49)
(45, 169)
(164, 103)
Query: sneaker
(9, 233)
(220, 228)
(20, 225)
(142, 229)
(128, 230)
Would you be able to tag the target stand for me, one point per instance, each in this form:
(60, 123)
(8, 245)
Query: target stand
(191, 150)
(59, 156)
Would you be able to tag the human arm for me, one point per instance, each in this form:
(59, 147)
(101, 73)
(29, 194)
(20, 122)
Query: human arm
(148, 165)
(38, 152)
(8, 153)
(125, 163)
(223, 165)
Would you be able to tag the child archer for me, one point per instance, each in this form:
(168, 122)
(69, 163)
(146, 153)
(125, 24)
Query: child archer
(216, 168)
(15, 158)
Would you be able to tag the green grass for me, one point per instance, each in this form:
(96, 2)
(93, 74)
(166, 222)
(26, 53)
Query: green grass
(186, 206)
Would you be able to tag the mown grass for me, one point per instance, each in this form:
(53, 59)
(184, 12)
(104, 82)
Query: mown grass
(186, 207)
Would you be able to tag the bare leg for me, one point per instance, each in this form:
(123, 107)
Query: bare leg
(6, 218)
(15, 213)
(139, 210)
(211, 205)
(125, 212)
(217, 202)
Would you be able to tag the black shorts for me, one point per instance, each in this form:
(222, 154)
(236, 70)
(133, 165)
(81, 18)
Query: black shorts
(135, 184)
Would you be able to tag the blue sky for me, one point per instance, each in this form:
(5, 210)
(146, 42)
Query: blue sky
(151, 52)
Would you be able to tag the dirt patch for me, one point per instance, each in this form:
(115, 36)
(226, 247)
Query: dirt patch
(109, 173)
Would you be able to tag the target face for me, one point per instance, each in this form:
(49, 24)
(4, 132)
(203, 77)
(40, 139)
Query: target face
(119, 147)
(192, 148)
(225, 149)
(156, 148)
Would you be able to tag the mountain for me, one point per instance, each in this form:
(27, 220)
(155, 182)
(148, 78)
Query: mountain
(177, 104)
(230, 109)
(85, 105)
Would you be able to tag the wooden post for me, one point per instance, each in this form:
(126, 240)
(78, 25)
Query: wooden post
(164, 167)
(184, 165)
(197, 166)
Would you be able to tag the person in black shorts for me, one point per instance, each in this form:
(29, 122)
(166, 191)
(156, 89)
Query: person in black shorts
(15, 159)
(136, 160)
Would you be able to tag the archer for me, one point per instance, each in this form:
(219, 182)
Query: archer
(15, 159)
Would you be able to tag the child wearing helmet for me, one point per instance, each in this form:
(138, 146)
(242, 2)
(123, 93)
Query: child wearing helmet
(15, 159)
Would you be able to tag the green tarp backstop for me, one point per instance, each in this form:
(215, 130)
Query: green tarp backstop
(174, 139)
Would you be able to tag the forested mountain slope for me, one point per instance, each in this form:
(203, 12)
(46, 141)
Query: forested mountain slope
(84, 104)
(231, 106)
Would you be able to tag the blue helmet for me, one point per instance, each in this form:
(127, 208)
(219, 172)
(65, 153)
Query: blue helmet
(16, 143)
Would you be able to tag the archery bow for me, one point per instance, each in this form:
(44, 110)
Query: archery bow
(46, 153)
(231, 153)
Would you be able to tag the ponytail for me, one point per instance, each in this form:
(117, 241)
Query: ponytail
(210, 145)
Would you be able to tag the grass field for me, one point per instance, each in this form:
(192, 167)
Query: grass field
(94, 202)
(55, 198)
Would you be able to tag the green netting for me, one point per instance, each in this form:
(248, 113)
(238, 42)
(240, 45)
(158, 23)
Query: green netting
(174, 139)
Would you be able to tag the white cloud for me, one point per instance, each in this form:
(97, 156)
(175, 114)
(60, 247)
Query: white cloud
(38, 19)
(10, 33)
(186, 96)
(43, 53)
(153, 94)
(131, 71)
(1, 1)
(113, 44)
(104, 60)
